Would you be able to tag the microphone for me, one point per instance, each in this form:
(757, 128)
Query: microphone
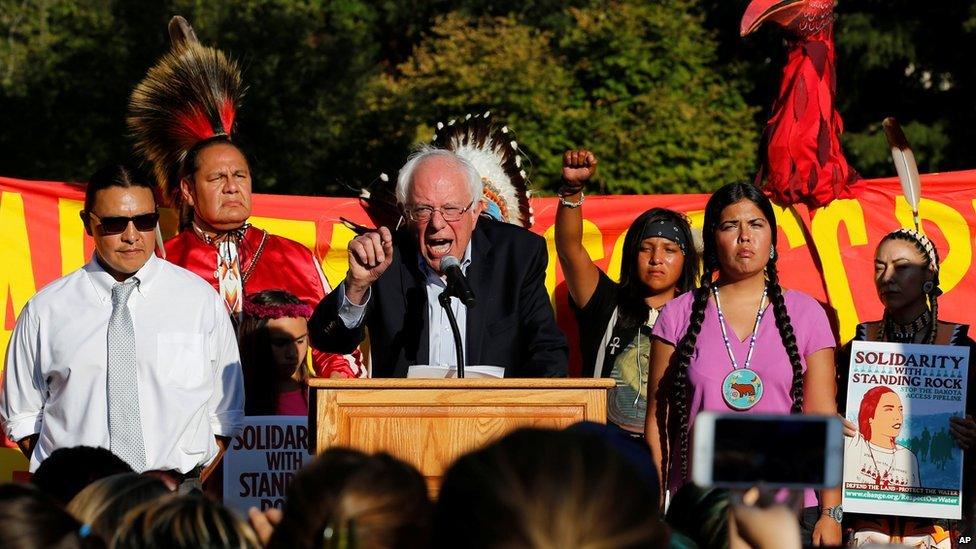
(457, 283)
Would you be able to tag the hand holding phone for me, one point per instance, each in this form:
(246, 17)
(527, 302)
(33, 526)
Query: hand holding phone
(739, 450)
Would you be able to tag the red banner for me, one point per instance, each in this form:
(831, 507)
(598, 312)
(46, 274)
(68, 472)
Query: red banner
(827, 253)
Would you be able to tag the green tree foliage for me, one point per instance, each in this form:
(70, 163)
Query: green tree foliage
(666, 92)
(656, 106)
(475, 65)
(305, 64)
(912, 62)
(894, 58)
(635, 81)
(66, 70)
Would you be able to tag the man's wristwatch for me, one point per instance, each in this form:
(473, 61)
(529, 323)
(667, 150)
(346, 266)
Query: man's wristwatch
(836, 513)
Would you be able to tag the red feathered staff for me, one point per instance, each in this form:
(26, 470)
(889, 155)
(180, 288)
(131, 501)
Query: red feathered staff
(802, 157)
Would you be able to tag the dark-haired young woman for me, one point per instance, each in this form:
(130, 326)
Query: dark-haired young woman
(740, 342)
(273, 339)
(906, 276)
(615, 319)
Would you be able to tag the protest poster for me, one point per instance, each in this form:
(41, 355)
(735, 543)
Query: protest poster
(263, 459)
(903, 460)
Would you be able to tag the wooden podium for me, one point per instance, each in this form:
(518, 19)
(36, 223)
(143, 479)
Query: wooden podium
(431, 422)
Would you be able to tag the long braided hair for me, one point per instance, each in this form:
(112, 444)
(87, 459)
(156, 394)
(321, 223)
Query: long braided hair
(930, 260)
(679, 399)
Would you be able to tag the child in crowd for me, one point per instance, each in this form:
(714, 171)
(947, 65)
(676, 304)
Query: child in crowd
(183, 522)
(346, 498)
(273, 339)
(30, 519)
(102, 504)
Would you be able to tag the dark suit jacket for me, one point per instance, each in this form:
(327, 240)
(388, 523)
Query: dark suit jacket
(512, 325)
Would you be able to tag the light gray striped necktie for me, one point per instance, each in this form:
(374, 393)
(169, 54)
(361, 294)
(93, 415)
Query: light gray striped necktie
(124, 423)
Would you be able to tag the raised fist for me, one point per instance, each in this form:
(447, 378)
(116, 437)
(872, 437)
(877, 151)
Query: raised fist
(369, 256)
(578, 167)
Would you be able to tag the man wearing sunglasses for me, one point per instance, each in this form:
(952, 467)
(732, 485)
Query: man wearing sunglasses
(394, 280)
(129, 353)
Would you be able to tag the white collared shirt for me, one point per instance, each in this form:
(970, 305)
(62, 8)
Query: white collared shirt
(190, 382)
(440, 340)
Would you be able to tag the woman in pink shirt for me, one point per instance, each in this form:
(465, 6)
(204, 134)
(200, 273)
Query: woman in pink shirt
(740, 343)
(273, 339)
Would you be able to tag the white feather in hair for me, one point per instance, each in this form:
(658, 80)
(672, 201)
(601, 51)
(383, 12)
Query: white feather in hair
(905, 165)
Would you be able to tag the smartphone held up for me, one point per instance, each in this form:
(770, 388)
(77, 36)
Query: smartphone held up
(737, 450)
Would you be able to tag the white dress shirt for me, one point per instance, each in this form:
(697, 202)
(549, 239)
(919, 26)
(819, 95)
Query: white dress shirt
(190, 382)
(440, 341)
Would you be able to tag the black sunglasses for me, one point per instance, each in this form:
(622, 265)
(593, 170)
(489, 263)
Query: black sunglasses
(117, 224)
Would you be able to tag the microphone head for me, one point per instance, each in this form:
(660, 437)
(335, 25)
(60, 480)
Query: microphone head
(449, 261)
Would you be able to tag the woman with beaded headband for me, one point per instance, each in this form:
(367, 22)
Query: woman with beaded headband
(273, 339)
(659, 261)
(740, 342)
(906, 276)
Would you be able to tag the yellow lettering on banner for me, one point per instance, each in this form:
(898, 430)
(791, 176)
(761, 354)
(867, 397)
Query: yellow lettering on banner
(299, 231)
(302, 232)
(592, 243)
(826, 225)
(613, 269)
(72, 235)
(697, 219)
(336, 260)
(12, 461)
(786, 219)
(550, 236)
(17, 273)
(955, 263)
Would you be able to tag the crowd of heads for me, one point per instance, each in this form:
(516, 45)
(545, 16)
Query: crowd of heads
(509, 493)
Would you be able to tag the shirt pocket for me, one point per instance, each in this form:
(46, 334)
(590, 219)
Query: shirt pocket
(183, 359)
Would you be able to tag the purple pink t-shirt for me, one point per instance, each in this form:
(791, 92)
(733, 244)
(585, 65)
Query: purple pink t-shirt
(292, 403)
(710, 362)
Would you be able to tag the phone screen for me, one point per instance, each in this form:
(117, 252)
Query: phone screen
(770, 451)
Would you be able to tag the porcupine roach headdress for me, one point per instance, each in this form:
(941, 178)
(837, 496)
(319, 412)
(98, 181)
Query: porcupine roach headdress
(192, 94)
(493, 151)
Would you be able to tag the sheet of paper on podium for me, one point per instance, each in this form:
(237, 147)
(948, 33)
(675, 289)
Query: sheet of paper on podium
(425, 371)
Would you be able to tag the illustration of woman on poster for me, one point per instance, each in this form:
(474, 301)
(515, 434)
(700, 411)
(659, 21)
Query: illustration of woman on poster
(879, 459)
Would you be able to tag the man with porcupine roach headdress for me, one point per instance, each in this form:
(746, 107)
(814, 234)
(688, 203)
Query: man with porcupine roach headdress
(181, 117)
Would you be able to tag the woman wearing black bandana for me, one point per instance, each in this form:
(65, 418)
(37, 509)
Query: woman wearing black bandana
(615, 318)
